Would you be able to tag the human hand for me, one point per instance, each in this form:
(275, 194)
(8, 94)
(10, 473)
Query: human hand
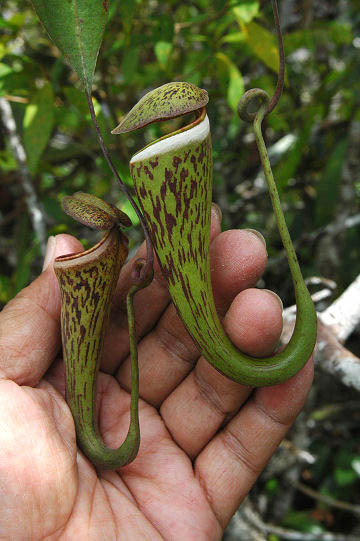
(204, 438)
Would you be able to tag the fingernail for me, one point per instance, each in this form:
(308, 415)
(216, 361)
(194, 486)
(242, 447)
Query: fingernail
(217, 209)
(276, 296)
(258, 235)
(50, 251)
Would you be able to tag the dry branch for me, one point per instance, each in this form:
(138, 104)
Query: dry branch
(335, 324)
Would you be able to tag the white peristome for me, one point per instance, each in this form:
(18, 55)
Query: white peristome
(197, 134)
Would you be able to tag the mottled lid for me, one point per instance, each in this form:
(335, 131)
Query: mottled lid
(167, 101)
(94, 212)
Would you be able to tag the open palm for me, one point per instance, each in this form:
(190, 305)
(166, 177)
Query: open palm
(204, 438)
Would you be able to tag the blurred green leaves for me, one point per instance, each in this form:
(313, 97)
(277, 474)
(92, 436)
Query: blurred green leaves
(37, 125)
(246, 11)
(302, 521)
(263, 43)
(235, 84)
(162, 51)
(329, 185)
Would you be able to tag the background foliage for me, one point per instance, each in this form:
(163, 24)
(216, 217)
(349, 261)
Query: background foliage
(313, 138)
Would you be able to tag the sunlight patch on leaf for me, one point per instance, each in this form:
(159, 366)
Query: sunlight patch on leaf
(246, 12)
(162, 51)
(37, 125)
(236, 83)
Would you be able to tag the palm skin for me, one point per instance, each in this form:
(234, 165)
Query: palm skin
(204, 439)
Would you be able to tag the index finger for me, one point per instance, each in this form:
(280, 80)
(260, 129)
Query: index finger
(30, 323)
(229, 465)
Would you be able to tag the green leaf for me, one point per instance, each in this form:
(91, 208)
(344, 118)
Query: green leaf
(236, 87)
(302, 521)
(4, 70)
(5, 73)
(233, 37)
(38, 124)
(76, 27)
(127, 208)
(328, 187)
(129, 65)
(163, 28)
(162, 51)
(26, 250)
(127, 10)
(6, 289)
(263, 43)
(355, 464)
(289, 164)
(76, 99)
(123, 170)
(345, 477)
(344, 473)
(272, 486)
(247, 11)
(236, 84)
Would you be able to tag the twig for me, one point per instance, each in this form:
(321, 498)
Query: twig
(281, 76)
(16, 99)
(253, 518)
(329, 355)
(32, 202)
(300, 454)
(325, 412)
(333, 358)
(334, 325)
(321, 295)
(344, 313)
(321, 281)
(328, 500)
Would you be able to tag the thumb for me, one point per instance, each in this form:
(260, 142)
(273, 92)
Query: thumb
(30, 323)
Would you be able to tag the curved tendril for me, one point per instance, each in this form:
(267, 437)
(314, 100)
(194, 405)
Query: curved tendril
(263, 101)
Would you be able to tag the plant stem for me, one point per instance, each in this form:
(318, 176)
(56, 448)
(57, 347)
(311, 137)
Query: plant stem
(280, 82)
(147, 269)
(134, 407)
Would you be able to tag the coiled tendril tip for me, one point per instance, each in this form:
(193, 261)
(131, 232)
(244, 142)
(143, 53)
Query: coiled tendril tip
(142, 273)
(254, 96)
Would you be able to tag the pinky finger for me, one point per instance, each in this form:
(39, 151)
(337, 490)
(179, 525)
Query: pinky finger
(229, 465)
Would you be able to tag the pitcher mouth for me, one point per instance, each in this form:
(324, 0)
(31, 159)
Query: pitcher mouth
(81, 258)
(197, 131)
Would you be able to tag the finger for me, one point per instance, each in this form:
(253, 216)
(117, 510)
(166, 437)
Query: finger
(149, 304)
(29, 323)
(196, 410)
(168, 354)
(229, 465)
